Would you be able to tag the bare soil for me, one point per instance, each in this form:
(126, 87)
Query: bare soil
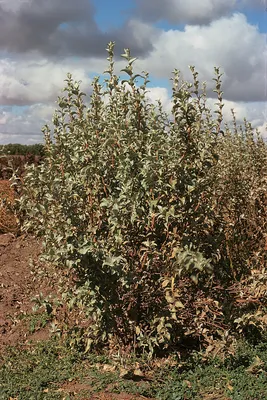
(17, 288)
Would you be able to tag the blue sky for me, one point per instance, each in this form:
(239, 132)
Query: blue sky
(42, 40)
(257, 17)
(110, 14)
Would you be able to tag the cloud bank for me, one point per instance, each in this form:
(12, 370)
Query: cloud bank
(42, 40)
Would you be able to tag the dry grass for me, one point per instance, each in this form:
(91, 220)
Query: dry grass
(8, 221)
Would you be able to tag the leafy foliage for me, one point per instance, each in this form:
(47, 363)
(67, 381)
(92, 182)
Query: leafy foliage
(154, 216)
(241, 375)
(32, 373)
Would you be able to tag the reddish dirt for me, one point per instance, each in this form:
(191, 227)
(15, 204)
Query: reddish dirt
(120, 396)
(73, 388)
(17, 288)
(8, 221)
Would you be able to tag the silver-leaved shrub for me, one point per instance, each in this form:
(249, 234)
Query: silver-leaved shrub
(139, 206)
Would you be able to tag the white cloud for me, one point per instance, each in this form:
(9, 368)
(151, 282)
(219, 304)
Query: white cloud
(231, 43)
(181, 11)
(192, 12)
(27, 82)
(14, 5)
(26, 126)
(160, 93)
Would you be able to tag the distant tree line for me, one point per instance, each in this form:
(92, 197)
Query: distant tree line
(22, 149)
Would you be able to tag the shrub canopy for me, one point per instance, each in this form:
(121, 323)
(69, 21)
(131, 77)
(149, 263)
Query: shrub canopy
(155, 215)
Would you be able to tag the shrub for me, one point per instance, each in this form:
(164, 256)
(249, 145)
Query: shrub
(133, 203)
